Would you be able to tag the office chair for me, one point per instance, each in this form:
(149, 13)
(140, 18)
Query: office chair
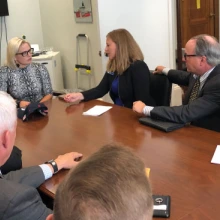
(160, 89)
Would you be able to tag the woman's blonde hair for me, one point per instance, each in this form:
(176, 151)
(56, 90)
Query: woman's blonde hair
(12, 48)
(127, 51)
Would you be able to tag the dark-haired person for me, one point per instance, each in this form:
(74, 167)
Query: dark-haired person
(110, 185)
(25, 81)
(201, 104)
(127, 77)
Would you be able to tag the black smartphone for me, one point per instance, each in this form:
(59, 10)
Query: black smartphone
(161, 206)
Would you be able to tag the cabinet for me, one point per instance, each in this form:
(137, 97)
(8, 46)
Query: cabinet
(52, 61)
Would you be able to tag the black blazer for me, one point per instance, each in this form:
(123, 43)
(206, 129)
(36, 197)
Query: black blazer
(134, 85)
(204, 111)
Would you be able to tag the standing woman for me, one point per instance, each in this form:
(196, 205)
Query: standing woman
(25, 81)
(127, 78)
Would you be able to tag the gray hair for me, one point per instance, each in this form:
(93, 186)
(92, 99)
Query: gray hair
(8, 114)
(208, 46)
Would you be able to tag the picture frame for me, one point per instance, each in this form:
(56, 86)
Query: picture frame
(82, 11)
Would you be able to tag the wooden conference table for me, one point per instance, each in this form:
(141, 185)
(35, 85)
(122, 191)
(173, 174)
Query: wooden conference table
(179, 161)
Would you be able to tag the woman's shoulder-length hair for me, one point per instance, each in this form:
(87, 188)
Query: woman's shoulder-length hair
(127, 51)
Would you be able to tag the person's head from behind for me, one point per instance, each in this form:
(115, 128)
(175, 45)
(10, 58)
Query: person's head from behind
(202, 53)
(109, 185)
(122, 50)
(19, 53)
(8, 122)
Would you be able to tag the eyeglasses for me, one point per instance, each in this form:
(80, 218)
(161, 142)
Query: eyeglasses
(25, 53)
(189, 55)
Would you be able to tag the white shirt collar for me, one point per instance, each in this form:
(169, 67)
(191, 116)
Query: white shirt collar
(204, 76)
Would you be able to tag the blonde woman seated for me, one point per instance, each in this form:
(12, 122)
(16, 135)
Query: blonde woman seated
(25, 81)
(127, 78)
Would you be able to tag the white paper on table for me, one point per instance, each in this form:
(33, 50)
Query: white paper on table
(97, 110)
(216, 156)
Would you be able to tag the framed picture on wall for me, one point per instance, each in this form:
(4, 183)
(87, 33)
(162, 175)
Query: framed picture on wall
(82, 11)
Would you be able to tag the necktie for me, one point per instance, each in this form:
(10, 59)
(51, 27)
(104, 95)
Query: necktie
(195, 90)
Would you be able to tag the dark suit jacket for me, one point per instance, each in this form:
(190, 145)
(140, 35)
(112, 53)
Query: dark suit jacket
(14, 162)
(19, 198)
(204, 111)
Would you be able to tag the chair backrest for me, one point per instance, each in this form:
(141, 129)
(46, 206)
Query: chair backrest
(160, 89)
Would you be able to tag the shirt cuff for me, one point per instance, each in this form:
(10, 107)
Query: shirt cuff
(165, 71)
(147, 110)
(46, 170)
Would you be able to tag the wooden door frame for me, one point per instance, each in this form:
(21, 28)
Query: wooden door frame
(179, 30)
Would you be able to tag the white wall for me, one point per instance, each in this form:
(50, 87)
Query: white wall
(24, 19)
(150, 22)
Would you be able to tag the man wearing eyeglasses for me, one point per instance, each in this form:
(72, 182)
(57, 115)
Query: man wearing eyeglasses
(201, 104)
(25, 81)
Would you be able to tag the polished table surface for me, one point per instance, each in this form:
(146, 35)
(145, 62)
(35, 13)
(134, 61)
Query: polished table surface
(179, 160)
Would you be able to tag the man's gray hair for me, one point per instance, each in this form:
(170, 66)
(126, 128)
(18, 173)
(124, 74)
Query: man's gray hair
(208, 46)
(8, 114)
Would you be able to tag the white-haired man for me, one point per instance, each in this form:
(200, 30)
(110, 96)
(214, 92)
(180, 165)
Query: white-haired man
(19, 198)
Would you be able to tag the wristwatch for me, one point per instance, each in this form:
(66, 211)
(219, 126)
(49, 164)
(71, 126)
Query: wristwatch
(53, 164)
